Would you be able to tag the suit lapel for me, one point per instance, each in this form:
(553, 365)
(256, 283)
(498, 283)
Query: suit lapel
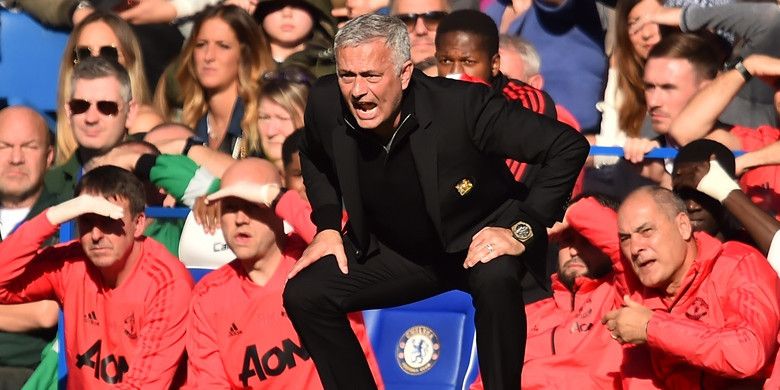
(426, 151)
(345, 158)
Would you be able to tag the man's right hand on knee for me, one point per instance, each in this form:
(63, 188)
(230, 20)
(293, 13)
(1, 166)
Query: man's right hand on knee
(326, 242)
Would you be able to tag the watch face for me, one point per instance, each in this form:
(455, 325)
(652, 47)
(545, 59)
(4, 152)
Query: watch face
(522, 231)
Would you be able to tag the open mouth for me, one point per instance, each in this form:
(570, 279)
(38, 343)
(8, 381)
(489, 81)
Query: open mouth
(242, 238)
(645, 264)
(365, 110)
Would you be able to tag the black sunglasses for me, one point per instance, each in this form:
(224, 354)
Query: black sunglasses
(107, 52)
(430, 19)
(106, 107)
(289, 76)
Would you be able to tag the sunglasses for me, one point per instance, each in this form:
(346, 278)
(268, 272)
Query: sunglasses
(107, 52)
(289, 76)
(106, 107)
(430, 19)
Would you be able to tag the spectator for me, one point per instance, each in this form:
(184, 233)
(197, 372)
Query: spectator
(124, 296)
(708, 176)
(570, 39)
(705, 212)
(220, 65)
(99, 106)
(756, 26)
(624, 111)
(291, 157)
(707, 312)
(110, 37)
(282, 103)
(57, 13)
(676, 69)
(25, 154)
(623, 108)
(564, 332)
(521, 61)
(758, 168)
(300, 32)
(421, 18)
(344, 10)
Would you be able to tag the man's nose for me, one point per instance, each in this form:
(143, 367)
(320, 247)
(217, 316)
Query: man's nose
(359, 87)
(457, 67)
(96, 234)
(17, 156)
(241, 217)
(419, 27)
(92, 115)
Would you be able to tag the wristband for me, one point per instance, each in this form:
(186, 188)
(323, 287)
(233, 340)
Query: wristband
(717, 183)
(739, 65)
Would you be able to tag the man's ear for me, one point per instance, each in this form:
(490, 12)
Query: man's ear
(140, 225)
(132, 111)
(683, 223)
(536, 81)
(406, 73)
(49, 156)
(495, 64)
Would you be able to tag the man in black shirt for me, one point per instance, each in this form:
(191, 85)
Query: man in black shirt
(418, 164)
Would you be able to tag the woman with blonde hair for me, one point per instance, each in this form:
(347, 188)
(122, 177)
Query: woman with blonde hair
(107, 35)
(220, 67)
(282, 103)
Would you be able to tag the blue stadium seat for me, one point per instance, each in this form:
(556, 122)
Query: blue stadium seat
(427, 345)
(198, 273)
(30, 56)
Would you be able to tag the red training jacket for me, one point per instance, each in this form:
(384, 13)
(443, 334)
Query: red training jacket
(128, 337)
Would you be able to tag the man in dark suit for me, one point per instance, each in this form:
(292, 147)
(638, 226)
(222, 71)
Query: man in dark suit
(418, 163)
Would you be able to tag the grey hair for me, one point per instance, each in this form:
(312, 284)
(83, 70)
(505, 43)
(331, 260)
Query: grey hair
(368, 27)
(666, 200)
(526, 50)
(91, 68)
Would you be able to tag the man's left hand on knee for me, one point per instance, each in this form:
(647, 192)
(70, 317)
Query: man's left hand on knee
(492, 242)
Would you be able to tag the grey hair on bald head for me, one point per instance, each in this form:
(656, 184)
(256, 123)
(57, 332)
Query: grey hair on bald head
(368, 27)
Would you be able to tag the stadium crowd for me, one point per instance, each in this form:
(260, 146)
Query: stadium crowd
(343, 155)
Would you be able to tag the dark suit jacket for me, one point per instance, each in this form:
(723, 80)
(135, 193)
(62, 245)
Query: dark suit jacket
(465, 131)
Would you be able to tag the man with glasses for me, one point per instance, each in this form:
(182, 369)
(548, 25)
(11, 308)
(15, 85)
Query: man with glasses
(421, 18)
(99, 108)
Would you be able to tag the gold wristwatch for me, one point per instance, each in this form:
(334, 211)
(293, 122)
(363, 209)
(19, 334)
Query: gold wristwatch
(521, 231)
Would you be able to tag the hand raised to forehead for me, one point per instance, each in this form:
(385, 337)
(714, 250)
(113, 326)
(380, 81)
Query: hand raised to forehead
(84, 204)
(263, 194)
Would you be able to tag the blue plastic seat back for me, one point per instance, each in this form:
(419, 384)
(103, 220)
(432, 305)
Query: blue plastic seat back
(30, 56)
(198, 273)
(425, 345)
